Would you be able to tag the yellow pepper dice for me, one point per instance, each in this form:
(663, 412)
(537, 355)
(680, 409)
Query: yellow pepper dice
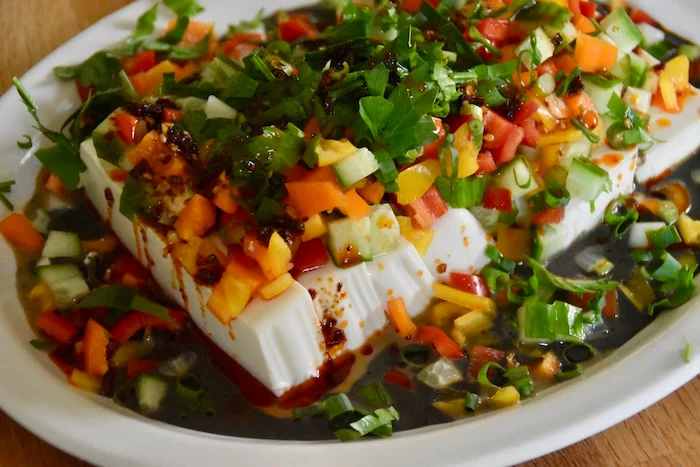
(444, 313)
(416, 180)
(276, 287)
(689, 230)
(454, 408)
(280, 255)
(505, 397)
(465, 299)
(420, 238)
(561, 137)
(678, 70)
(470, 325)
(41, 294)
(467, 161)
(314, 228)
(330, 151)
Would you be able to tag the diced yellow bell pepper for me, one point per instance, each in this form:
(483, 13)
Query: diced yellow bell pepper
(545, 116)
(185, 252)
(314, 227)
(465, 299)
(467, 163)
(443, 314)
(470, 325)
(41, 295)
(276, 287)
(547, 369)
(689, 230)
(330, 151)
(454, 408)
(416, 180)
(678, 71)
(561, 137)
(549, 157)
(505, 397)
(668, 92)
(233, 292)
(279, 255)
(420, 238)
(84, 381)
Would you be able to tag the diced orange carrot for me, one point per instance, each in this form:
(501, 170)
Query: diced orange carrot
(400, 319)
(257, 251)
(312, 129)
(579, 103)
(584, 24)
(20, 232)
(372, 192)
(146, 83)
(354, 206)
(60, 329)
(593, 54)
(196, 218)
(95, 340)
(317, 192)
(55, 185)
(223, 198)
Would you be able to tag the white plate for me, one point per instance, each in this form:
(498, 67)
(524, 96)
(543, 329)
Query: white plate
(35, 393)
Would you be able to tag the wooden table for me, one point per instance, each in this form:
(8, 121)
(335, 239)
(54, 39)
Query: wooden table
(666, 434)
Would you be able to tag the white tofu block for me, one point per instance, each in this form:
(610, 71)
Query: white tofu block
(459, 243)
(402, 273)
(678, 135)
(278, 341)
(347, 296)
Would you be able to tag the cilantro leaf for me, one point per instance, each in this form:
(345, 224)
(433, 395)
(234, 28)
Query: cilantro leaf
(144, 28)
(190, 52)
(578, 286)
(278, 149)
(245, 26)
(123, 298)
(187, 8)
(547, 13)
(628, 128)
(466, 57)
(375, 112)
(101, 70)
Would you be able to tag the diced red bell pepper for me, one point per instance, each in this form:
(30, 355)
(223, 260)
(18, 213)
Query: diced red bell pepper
(588, 9)
(129, 268)
(431, 150)
(481, 355)
(507, 151)
(241, 45)
(575, 7)
(425, 211)
(171, 115)
(412, 6)
(311, 255)
(295, 27)
(142, 61)
(532, 134)
(640, 16)
(471, 283)
(486, 163)
(583, 301)
(84, 91)
(56, 327)
(499, 199)
(136, 321)
(550, 216)
(398, 378)
(495, 30)
(456, 121)
(525, 112)
(496, 129)
(137, 367)
(126, 125)
(441, 342)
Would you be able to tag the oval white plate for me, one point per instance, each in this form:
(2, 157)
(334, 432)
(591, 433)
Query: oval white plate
(36, 394)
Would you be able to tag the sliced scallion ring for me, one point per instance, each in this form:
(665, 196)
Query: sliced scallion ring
(483, 376)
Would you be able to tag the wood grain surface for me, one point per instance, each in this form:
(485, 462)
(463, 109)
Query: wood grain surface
(667, 434)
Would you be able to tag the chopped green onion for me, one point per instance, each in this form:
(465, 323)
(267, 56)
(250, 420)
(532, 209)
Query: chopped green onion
(495, 278)
(592, 137)
(579, 286)
(127, 86)
(307, 412)
(571, 372)
(620, 216)
(475, 35)
(499, 260)
(667, 211)
(563, 88)
(371, 422)
(471, 402)
(642, 256)
(336, 405)
(26, 143)
(347, 434)
(416, 355)
(664, 237)
(669, 270)
(125, 299)
(43, 345)
(468, 192)
(375, 394)
(688, 352)
(517, 372)
(578, 352)
(483, 375)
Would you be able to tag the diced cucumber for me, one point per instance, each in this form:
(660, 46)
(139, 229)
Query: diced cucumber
(349, 241)
(570, 151)
(150, 392)
(639, 233)
(638, 99)
(543, 48)
(517, 177)
(61, 244)
(354, 168)
(601, 90)
(52, 273)
(631, 69)
(622, 30)
(586, 180)
(566, 32)
(488, 218)
(550, 240)
(540, 323)
(108, 145)
(217, 72)
(385, 232)
(67, 291)
(216, 108)
(650, 34)
(649, 58)
(41, 221)
(189, 104)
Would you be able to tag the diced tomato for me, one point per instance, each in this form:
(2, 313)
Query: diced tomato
(532, 134)
(126, 124)
(311, 129)
(550, 216)
(588, 9)
(311, 255)
(431, 150)
(295, 27)
(481, 355)
(171, 115)
(136, 321)
(471, 283)
(497, 127)
(55, 185)
(640, 16)
(425, 211)
(583, 301)
(56, 327)
(142, 61)
(499, 199)
(456, 121)
(575, 7)
(126, 266)
(412, 6)
(441, 342)
(526, 111)
(84, 91)
(506, 152)
(486, 163)
(495, 30)
(241, 45)
(398, 378)
(136, 367)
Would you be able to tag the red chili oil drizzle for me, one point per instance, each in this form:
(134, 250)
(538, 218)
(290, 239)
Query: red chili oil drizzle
(109, 197)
